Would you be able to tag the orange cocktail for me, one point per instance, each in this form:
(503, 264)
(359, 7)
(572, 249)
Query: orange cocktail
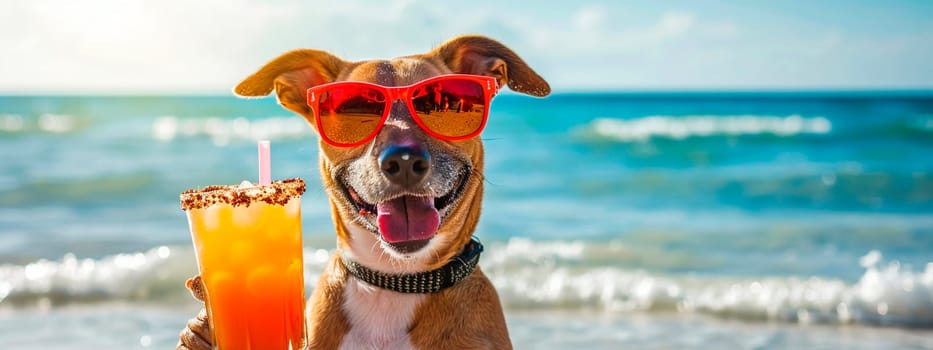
(247, 240)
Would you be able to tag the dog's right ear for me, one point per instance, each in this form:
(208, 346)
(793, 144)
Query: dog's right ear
(291, 74)
(475, 54)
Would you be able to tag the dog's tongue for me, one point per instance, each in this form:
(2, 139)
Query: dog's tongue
(407, 218)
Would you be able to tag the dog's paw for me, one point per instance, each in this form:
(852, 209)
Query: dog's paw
(197, 333)
(196, 287)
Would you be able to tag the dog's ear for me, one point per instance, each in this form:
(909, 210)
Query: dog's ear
(474, 54)
(291, 74)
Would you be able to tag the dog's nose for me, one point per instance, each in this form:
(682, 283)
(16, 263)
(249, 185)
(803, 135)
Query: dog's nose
(404, 165)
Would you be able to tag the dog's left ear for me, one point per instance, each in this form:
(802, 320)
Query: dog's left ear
(474, 54)
(290, 75)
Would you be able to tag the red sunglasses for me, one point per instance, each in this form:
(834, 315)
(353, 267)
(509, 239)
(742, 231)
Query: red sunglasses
(449, 107)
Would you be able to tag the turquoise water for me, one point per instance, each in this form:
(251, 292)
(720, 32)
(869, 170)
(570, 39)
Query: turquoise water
(812, 211)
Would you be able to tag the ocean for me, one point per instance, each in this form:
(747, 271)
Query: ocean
(707, 220)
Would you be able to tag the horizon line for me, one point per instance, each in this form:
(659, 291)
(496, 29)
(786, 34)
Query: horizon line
(566, 92)
(571, 91)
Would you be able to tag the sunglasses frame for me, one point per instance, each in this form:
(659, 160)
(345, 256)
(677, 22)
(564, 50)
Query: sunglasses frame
(489, 85)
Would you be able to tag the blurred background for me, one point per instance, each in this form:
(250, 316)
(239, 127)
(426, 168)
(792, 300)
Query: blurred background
(704, 175)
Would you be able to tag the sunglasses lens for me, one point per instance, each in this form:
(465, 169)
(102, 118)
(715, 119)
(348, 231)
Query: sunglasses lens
(452, 107)
(350, 114)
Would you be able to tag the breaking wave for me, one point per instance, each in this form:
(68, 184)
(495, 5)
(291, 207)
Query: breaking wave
(50, 123)
(531, 275)
(224, 130)
(683, 127)
(541, 277)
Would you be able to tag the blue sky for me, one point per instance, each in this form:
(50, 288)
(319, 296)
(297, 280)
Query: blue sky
(177, 46)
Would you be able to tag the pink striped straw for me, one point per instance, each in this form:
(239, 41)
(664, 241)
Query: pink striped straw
(265, 168)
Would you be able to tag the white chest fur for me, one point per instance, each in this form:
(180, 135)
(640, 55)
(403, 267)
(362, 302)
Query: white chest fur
(379, 318)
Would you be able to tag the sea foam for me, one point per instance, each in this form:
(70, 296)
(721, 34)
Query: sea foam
(558, 277)
(224, 130)
(687, 126)
(529, 274)
(51, 123)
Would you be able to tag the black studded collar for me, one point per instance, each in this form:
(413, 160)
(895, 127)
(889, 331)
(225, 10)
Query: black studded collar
(458, 268)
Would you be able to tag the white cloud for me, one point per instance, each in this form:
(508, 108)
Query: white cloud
(128, 46)
(673, 24)
(592, 34)
(136, 45)
(132, 45)
(589, 19)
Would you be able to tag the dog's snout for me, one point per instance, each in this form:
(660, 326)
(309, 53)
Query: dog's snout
(404, 165)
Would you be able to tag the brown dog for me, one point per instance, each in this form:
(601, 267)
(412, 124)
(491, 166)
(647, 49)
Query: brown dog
(405, 205)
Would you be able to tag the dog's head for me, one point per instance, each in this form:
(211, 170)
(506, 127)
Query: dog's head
(404, 201)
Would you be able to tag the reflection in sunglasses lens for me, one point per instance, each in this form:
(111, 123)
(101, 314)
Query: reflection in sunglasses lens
(452, 107)
(351, 114)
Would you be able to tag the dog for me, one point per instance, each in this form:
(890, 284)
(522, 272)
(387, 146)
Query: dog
(405, 197)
